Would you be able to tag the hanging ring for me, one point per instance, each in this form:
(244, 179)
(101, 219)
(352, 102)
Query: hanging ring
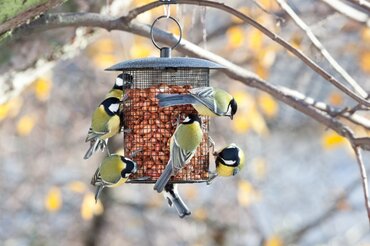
(152, 33)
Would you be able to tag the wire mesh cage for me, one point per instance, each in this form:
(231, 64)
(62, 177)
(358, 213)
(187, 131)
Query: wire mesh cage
(149, 128)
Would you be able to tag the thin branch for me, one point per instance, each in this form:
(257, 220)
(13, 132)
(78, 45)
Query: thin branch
(348, 11)
(316, 42)
(308, 61)
(362, 3)
(365, 188)
(232, 70)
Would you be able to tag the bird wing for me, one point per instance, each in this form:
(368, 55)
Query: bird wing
(98, 181)
(180, 157)
(206, 96)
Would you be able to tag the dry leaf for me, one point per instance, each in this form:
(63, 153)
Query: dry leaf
(274, 240)
(257, 122)
(25, 125)
(246, 193)
(11, 108)
(267, 104)
(241, 123)
(365, 61)
(365, 34)
(336, 99)
(42, 88)
(53, 200)
(140, 50)
(235, 36)
(255, 40)
(331, 140)
(77, 186)
(259, 168)
(200, 214)
(89, 208)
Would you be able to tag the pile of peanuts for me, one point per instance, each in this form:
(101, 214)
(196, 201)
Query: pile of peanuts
(150, 130)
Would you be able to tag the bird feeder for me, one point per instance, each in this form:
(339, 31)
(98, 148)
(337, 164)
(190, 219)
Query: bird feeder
(149, 127)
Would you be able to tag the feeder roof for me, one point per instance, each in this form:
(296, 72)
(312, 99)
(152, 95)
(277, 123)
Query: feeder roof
(164, 62)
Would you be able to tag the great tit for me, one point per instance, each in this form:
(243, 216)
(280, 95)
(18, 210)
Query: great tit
(123, 82)
(183, 145)
(207, 101)
(173, 198)
(229, 161)
(105, 123)
(113, 171)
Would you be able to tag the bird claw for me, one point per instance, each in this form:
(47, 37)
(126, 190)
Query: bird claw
(143, 178)
(134, 154)
(213, 175)
(211, 144)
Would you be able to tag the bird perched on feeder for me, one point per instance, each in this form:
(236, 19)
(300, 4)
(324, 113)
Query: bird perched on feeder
(123, 82)
(207, 101)
(183, 145)
(105, 123)
(229, 161)
(112, 172)
(173, 198)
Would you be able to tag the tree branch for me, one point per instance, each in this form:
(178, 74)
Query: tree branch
(309, 62)
(316, 42)
(348, 11)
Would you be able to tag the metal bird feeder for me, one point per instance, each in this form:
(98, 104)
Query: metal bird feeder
(150, 127)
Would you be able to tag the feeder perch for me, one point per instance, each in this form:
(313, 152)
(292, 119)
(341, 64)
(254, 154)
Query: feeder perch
(152, 127)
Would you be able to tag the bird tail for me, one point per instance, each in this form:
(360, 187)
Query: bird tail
(95, 145)
(174, 198)
(164, 178)
(167, 100)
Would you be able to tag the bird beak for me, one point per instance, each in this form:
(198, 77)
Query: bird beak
(231, 117)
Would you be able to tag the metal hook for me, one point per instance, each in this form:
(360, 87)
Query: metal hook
(152, 33)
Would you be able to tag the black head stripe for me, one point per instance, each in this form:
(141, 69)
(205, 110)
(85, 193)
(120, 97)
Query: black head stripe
(108, 102)
(229, 154)
(234, 106)
(193, 118)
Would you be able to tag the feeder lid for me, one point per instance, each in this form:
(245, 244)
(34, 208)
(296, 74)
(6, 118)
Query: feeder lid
(162, 63)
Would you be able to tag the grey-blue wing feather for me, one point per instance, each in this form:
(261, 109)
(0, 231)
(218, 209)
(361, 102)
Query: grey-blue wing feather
(167, 100)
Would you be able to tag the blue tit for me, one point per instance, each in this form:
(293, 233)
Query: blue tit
(183, 145)
(173, 198)
(123, 81)
(112, 172)
(105, 123)
(229, 161)
(208, 101)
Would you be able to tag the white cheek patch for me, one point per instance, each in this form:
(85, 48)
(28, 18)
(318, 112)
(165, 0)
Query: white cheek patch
(119, 81)
(229, 162)
(187, 119)
(114, 107)
(228, 110)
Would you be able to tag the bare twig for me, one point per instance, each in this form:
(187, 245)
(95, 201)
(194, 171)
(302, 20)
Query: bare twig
(133, 13)
(348, 11)
(260, 6)
(362, 3)
(365, 189)
(316, 42)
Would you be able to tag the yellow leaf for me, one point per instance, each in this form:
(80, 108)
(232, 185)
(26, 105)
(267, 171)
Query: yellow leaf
(235, 36)
(365, 61)
(140, 50)
(200, 214)
(241, 123)
(365, 34)
(42, 87)
(331, 140)
(336, 99)
(104, 45)
(25, 125)
(258, 123)
(4, 110)
(190, 192)
(274, 241)
(259, 167)
(261, 70)
(77, 186)
(246, 193)
(296, 41)
(255, 40)
(89, 208)
(53, 200)
(268, 104)
(104, 60)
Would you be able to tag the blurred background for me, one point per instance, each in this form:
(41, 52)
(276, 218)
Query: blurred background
(301, 184)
